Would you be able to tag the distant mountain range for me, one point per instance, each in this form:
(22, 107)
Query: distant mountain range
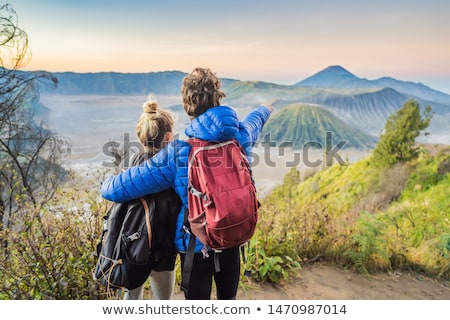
(362, 104)
(338, 77)
(169, 82)
(115, 83)
(368, 111)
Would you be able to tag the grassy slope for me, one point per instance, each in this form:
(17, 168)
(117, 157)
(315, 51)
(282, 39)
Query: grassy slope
(300, 124)
(365, 218)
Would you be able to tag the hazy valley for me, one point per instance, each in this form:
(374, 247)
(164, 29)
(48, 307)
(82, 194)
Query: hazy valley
(96, 108)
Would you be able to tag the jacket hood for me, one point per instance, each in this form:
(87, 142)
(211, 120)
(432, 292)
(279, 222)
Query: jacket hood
(216, 124)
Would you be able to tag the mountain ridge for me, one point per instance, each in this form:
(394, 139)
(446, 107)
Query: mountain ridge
(140, 83)
(118, 83)
(334, 77)
(361, 103)
(339, 77)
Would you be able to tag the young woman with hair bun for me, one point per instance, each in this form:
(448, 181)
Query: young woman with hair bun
(154, 130)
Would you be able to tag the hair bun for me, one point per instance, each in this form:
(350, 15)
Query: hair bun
(150, 107)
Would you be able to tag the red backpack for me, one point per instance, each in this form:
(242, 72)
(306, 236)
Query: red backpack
(222, 201)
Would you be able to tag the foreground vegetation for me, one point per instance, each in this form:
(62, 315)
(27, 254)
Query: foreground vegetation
(360, 217)
(388, 211)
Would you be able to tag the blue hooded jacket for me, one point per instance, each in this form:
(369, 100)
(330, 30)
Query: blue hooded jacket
(169, 167)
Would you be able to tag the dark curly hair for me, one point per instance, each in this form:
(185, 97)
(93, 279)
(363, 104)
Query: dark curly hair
(201, 91)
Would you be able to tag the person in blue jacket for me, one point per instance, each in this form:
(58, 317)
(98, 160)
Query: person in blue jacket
(211, 121)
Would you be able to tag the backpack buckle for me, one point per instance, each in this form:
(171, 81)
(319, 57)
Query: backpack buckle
(186, 229)
(207, 204)
(197, 193)
(205, 252)
(134, 236)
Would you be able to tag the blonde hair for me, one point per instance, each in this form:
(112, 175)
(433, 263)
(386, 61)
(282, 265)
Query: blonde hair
(201, 91)
(153, 124)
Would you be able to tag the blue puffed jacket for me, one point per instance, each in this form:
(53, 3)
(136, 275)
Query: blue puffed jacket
(169, 167)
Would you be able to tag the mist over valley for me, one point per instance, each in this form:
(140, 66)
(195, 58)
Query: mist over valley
(93, 109)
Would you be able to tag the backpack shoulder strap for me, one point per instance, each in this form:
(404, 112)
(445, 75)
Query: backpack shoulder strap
(147, 217)
(188, 263)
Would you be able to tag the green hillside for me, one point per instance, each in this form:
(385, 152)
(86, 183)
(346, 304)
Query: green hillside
(363, 218)
(300, 124)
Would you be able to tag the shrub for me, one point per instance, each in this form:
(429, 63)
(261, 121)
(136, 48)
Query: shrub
(50, 252)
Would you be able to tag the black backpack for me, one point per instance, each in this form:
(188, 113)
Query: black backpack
(124, 257)
(138, 237)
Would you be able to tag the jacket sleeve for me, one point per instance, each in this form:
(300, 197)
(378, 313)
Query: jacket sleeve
(255, 121)
(154, 175)
(251, 127)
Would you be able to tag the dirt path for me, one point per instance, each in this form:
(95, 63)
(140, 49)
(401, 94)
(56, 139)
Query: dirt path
(321, 282)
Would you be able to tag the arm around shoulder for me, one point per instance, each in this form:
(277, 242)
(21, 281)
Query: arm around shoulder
(154, 175)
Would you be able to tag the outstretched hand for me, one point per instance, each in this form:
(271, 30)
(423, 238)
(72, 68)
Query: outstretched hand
(268, 106)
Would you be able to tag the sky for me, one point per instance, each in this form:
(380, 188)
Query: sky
(280, 41)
